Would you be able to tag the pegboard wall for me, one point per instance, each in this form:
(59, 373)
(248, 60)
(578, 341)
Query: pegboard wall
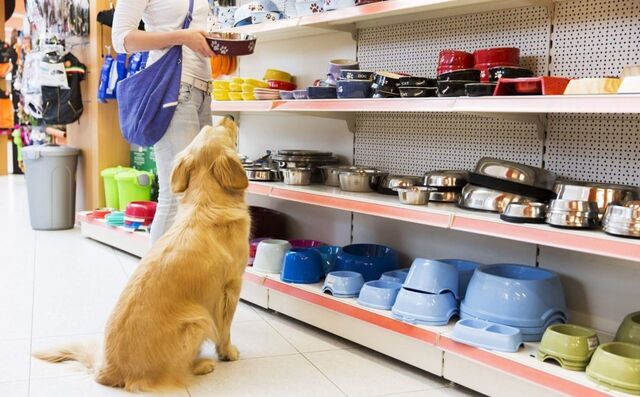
(580, 38)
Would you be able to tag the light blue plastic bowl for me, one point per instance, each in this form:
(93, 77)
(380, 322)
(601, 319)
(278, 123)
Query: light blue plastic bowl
(465, 271)
(397, 276)
(379, 294)
(520, 296)
(329, 254)
(480, 333)
(529, 334)
(343, 284)
(434, 277)
(417, 307)
(302, 266)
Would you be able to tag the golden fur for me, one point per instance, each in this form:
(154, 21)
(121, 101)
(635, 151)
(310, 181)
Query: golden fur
(186, 289)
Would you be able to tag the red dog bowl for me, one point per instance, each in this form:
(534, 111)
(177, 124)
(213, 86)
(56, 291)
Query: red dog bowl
(449, 69)
(100, 213)
(504, 56)
(281, 85)
(462, 59)
(144, 210)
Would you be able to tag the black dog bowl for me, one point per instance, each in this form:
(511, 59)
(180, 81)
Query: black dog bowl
(470, 75)
(354, 89)
(509, 72)
(480, 89)
(386, 82)
(417, 82)
(418, 92)
(356, 75)
(452, 88)
(322, 92)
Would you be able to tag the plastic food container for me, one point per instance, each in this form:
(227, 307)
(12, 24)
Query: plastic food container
(133, 185)
(569, 345)
(343, 284)
(379, 295)
(424, 308)
(487, 335)
(111, 186)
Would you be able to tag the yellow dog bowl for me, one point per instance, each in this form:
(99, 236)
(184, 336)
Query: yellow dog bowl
(221, 95)
(248, 88)
(221, 85)
(235, 96)
(256, 83)
(237, 80)
(280, 75)
(235, 87)
(247, 96)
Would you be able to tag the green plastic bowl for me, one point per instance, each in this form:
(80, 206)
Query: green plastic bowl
(616, 365)
(629, 330)
(569, 345)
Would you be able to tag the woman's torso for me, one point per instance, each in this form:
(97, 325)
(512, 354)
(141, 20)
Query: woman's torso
(168, 16)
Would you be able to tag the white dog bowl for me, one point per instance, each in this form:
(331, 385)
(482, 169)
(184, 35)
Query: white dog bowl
(269, 256)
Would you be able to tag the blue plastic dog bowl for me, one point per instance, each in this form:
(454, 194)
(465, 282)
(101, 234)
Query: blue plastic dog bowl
(379, 294)
(397, 276)
(465, 271)
(329, 256)
(370, 260)
(302, 266)
(431, 276)
(525, 297)
(486, 335)
(417, 307)
(343, 284)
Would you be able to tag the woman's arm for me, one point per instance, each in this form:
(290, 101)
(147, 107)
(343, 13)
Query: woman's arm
(127, 38)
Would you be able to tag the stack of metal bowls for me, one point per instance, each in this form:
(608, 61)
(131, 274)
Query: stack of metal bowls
(447, 184)
(298, 159)
(261, 170)
(602, 194)
(623, 220)
(575, 214)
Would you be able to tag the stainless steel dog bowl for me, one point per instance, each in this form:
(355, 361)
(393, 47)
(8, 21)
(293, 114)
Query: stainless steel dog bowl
(389, 182)
(600, 193)
(297, 176)
(516, 172)
(622, 221)
(573, 214)
(331, 174)
(445, 179)
(308, 153)
(359, 179)
(444, 197)
(485, 199)
(261, 174)
(528, 212)
(414, 195)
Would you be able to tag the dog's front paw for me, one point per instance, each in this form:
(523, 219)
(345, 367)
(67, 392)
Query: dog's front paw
(231, 353)
(203, 366)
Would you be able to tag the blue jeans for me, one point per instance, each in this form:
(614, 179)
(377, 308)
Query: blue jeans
(192, 114)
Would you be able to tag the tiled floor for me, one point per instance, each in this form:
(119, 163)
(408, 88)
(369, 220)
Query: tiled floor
(58, 287)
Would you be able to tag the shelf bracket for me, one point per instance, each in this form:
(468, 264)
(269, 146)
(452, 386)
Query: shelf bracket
(539, 119)
(348, 117)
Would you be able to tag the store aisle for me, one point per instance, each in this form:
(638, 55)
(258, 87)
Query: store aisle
(57, 287)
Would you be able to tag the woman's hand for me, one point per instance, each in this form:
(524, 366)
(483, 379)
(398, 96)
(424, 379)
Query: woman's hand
(195, 40)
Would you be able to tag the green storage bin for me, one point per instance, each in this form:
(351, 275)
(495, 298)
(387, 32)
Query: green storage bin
(111, 186)
(133, 185)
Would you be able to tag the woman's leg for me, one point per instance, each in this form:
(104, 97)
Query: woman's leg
(183, 128)
(205, 111)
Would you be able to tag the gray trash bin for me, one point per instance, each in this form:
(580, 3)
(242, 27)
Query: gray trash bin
(51, 185)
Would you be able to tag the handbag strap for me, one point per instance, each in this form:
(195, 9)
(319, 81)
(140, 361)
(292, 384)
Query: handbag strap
(189, 18)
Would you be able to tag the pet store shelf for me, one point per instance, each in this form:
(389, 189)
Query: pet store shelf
(448, 216)
(426, 347)
(577, 104)
(382, 13)
(124, 239)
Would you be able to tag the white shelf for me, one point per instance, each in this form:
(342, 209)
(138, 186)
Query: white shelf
(577, 104)
(432, 351)
(448, 216)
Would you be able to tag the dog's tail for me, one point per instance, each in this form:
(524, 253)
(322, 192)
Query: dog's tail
(84, 353)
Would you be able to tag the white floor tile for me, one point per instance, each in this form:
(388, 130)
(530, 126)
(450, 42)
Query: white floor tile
(128, 262)
(244, 312)
(363, 373)
(303, 337)
(84, 386)
(442, 392)
(14, 360)
(14, 389)
(42, 369)
(64, 320)
(15, 318)
(266, 377)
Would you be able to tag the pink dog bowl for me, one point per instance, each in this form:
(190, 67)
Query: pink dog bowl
(306, 243)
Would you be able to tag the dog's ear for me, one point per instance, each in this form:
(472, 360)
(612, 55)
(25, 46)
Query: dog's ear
(229, 172)
(181, 173)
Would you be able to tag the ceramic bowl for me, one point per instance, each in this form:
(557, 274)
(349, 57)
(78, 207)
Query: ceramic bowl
(253, 247)
(378, 294)
(418, 82)
(470, 75)
(510, 72)
(424, 308)
(306, 243)
(465, 271)
(237, 44)
(418, 92)
(629, 330)
(525, 297)
(338, 4)
(309, 7)
(354, 89)
(386, 82)
(480, 89)
(453, 88)
(456, 58)
(279, 75)
(220, 95)
(269, 256)
(379, 94)
(281, 85)
(336, 66)
(235, 96)
(286, 95)
(397, 276)
(300, 94)
(322, 92)
(569, 345)
(302, 266)
(258, 17)
(329, 256)
(500, 55)
(343, 284)
(370, 260)
(486, 335)
(349, 74)
(616, 365)
(433, 277)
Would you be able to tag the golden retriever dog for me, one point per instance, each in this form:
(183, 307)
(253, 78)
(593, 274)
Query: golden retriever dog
(186, 289)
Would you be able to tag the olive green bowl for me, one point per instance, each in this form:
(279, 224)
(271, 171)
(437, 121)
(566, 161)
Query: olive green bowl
(569, 345)
(616, 365)
(629, 330)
